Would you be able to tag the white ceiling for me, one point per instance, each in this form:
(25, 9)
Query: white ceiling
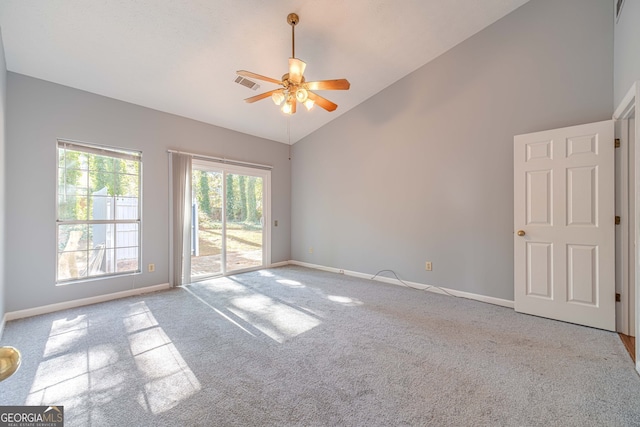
(180, 56)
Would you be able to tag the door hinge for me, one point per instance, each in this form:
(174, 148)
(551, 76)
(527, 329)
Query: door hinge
(617, 297)
(617, 143)
(617, 220)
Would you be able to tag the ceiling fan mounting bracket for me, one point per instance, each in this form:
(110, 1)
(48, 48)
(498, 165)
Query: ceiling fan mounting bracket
(293, 19)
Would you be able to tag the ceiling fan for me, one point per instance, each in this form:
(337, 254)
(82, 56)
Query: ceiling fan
(294, 87)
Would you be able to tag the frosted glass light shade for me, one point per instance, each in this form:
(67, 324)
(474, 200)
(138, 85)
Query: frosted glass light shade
(302, 95)
(296, 70)
(277, 97)
(309, 103)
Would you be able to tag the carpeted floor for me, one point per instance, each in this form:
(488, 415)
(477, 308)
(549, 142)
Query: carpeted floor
(294, 346)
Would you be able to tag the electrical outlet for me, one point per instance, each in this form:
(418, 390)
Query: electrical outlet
(310, 249)
(428, 266)
(152, 268)
(341, 271)
(275, 223)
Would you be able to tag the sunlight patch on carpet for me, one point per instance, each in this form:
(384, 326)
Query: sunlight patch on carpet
(347, 301)
(242, 304)
(81, 374)
(169, 380)
(276, 320)
(72, 377)
(290, 283)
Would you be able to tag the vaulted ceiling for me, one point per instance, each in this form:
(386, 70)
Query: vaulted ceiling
(180, 56)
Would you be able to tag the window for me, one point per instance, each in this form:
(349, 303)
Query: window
(98, 211)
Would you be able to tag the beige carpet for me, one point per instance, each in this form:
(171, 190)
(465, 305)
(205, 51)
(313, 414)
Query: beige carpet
(294, 346)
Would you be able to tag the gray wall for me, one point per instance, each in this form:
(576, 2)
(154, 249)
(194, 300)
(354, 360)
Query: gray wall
(39, 112)
(423, 171)
(3, 111)
(626, 52)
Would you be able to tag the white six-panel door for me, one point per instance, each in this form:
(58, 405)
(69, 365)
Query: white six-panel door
(564, 238)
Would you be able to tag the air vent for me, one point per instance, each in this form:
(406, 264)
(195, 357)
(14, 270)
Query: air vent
(247, 83)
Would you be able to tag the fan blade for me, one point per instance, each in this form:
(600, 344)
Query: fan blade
(262, 96)
(249, 74)
(338, 84)
(296, 70)
(322, 102)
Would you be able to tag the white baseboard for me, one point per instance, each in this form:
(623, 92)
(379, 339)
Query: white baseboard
(430, 288)
(13, 315)
(279, 264)
(20, 314)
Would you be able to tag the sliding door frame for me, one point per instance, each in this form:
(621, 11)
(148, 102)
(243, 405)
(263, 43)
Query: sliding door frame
(225, 169)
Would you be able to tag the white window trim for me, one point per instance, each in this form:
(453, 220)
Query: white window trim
(115, 152)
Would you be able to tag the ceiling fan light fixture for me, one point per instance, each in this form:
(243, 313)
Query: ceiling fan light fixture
(277, 97)
(309, 103)
(302, 94)
(296, 70)
(294, 87)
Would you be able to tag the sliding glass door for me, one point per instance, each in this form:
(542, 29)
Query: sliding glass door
(206, 223)
(244, 237)
(228, 217)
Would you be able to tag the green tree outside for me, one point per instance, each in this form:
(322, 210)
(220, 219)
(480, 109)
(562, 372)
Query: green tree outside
(231, 199)
(202, 194)
(242, 190)
(252, 212)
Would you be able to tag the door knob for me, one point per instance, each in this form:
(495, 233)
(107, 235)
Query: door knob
(521, 233)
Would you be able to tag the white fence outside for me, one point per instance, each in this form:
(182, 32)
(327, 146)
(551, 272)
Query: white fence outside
(119, 247)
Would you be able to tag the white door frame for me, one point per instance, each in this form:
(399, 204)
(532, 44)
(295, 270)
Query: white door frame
(625, 230)
(628, 107)
(225, 168)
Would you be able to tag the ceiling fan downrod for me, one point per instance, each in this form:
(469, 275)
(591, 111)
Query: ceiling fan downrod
(293, 20)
